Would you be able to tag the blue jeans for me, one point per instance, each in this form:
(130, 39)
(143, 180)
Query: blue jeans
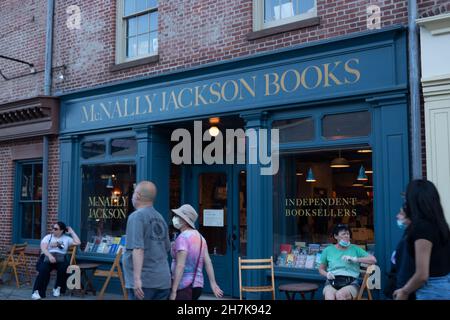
(150, 294)
(436, 288)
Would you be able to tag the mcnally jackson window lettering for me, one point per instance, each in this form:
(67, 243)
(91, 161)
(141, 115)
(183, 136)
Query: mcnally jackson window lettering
(315, 191)
(107, 189)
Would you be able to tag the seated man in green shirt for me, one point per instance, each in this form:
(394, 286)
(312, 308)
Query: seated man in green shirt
(340, 264)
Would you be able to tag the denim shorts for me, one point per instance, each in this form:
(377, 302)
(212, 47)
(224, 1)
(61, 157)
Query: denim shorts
(436, 288)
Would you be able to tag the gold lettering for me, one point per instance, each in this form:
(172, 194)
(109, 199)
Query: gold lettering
(180, 98)
(330, 74)
(319, 77)
(117, 109)
(126, 114)
(163, 107)
(251, 90)
(173, 99)
(87, 117)
(224, 87)
(198, 95)
(297, 82)
(274, 82)
(214, 92)
(105, 110)
(353, 71)
(138, 103)
(150, 102)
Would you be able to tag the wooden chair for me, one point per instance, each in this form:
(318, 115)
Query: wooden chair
(365, 273)
(72, 252)
(256, 264)
(112, 273)
(15, 259)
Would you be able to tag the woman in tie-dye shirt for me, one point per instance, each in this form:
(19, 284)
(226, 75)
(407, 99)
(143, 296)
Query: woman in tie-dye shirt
(187, 256)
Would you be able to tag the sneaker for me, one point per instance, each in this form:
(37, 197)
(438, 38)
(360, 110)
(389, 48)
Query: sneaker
(36, 295)
(57, 292)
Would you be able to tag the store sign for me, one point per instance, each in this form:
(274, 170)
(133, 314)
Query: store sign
(270, 84)
(213, 218)
(321, 207)
(102, 207)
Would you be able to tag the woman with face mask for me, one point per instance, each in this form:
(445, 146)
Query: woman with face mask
(189, 255)
(340, 264)
(428, 241)
(402, 263)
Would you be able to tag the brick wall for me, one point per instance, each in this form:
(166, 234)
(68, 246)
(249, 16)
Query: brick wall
(193, 32)
(7, 172)
(22, 36)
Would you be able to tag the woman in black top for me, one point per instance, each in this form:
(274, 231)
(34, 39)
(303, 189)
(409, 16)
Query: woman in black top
(428, 240)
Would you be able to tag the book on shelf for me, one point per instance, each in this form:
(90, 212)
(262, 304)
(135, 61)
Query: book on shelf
(309, 264)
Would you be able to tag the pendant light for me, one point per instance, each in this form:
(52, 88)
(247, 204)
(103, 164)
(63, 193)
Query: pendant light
(110, 185)
(310, 177)
(339, 162)
(362, 174)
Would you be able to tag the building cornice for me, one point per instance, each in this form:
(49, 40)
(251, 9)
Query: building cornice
(437, 25)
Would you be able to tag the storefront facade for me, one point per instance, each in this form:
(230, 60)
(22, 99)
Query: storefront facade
(341, 98)
(434, 37)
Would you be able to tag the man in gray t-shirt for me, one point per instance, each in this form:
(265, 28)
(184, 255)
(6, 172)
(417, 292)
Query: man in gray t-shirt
(145, 264)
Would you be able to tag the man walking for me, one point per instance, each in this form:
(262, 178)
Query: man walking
(146, 268)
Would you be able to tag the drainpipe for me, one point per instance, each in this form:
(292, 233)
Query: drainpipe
(414, 94)
(47, 92)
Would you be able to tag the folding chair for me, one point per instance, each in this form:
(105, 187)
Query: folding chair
(365, 273)
(112, 274)
(15, 259)
(72, 252)
(256, 264)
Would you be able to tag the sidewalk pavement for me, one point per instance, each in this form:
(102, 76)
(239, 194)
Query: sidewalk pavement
(11, 292)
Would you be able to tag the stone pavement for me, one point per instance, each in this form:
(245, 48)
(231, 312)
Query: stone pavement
(11, 292)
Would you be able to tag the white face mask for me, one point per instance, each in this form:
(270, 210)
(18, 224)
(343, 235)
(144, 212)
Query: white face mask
(177, 222)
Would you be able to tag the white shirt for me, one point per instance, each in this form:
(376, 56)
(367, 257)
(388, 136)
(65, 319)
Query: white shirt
(57, 245)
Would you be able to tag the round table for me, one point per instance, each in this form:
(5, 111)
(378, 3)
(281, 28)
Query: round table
(86, 277)
(302, 288)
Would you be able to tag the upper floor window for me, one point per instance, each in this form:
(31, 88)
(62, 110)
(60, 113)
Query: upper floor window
(272, 13)
(29, 201)
(137, 29)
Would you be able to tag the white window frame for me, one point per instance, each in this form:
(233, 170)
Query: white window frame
(258, 17)
(121, 33)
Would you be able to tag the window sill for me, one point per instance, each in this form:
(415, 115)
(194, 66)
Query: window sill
(298, 273)
(134, 63)
(283, 28)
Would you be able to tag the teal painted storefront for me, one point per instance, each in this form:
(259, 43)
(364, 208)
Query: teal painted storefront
(363, 72)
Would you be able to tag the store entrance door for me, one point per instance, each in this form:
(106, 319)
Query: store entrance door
(219, 195)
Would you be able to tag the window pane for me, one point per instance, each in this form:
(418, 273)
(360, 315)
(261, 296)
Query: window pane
(305, 6)
(143, 45)
(129, 7)
(131, 27)
(37, 185)
(287, 9)
(104, 207)
(154, 21)
(141, 5)
(295, 129)
(154, 42)
(143, 24)
(132, 47)
(27, 220)
(123, 147)
(346, 125)
(152, 3)
(269, 10)
(93, 149)
(212, 191)
(37, 220)
(306, 212)
(27, 182)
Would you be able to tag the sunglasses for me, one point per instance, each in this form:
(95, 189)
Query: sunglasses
(56, 229)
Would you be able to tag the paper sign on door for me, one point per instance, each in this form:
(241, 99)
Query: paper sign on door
(213, 218)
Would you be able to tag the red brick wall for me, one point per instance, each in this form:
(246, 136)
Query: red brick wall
(7, 172)
(22, 36)
(194, 32)
(428, 8)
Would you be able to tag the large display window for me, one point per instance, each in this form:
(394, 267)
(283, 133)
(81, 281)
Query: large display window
(314, 191)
